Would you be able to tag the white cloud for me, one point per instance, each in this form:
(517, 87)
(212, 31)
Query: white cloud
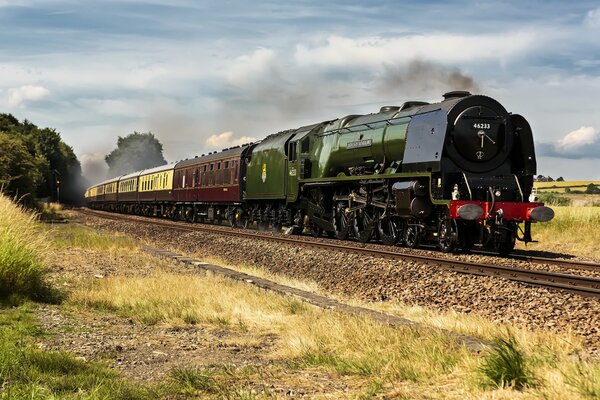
(17, 96)
(582, 143)
(226, 139)
(369, 51)
(592, 18)
(578, 138)
(247, 66)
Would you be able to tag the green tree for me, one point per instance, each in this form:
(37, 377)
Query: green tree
(560, 179)
(135, 152)
(19, 169)
(50, 162)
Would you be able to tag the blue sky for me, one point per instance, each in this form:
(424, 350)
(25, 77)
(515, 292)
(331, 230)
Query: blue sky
(206, 75)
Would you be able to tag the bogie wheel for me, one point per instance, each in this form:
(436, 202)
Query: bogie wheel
(364, 225)
(189, 214)
(194, 217)
(276, 227)
(263, 226)
(341, 221)
(389, 231)
(316, 231)
(412, 236)
(232, 220)
(447, 235)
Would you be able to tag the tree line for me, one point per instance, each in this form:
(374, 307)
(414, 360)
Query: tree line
(35, 163)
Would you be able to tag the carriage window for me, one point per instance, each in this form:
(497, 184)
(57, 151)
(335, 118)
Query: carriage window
(235, 172)
(226, 172)
(219, 175)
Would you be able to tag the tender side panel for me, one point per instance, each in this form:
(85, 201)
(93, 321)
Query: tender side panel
(266, 173)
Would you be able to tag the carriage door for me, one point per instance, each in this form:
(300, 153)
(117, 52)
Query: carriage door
(293, 169)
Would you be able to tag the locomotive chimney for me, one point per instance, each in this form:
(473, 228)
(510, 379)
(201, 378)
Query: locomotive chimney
(456, 94)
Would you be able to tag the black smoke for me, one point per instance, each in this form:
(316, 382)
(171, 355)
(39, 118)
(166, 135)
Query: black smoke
(423, 79)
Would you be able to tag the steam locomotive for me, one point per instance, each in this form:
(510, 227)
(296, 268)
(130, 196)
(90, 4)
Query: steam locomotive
(457, 173)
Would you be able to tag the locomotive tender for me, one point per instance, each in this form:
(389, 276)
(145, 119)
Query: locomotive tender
(457, 173)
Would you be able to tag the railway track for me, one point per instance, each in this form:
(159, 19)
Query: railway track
(577, 284)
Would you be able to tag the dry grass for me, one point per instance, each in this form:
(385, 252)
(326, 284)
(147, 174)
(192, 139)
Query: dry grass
(308, 336)
(574, 230)
(415, 362)
(467, 324)
(82, 237)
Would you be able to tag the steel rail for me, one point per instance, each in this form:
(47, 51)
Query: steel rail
(581, 285)
(587, 265)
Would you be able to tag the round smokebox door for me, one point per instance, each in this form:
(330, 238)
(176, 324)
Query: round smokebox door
(478, 134)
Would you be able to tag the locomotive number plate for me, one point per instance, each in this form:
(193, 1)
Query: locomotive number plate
(360, 143)
(481, 125)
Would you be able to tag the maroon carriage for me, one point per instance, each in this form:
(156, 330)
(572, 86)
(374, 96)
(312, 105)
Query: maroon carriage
(209, 187)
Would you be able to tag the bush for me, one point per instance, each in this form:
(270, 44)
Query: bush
(554, 200)
(592, 189)
(22, 245)
(505, 365)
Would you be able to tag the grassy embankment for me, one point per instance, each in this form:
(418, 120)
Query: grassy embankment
(407, 363)
(25, 370)
(574, 230)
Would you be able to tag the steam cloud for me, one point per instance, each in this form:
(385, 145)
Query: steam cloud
(264, 92)
(93, 167)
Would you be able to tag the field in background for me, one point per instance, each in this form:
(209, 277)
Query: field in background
(574, 230)
(564, 184)
(573, 193)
